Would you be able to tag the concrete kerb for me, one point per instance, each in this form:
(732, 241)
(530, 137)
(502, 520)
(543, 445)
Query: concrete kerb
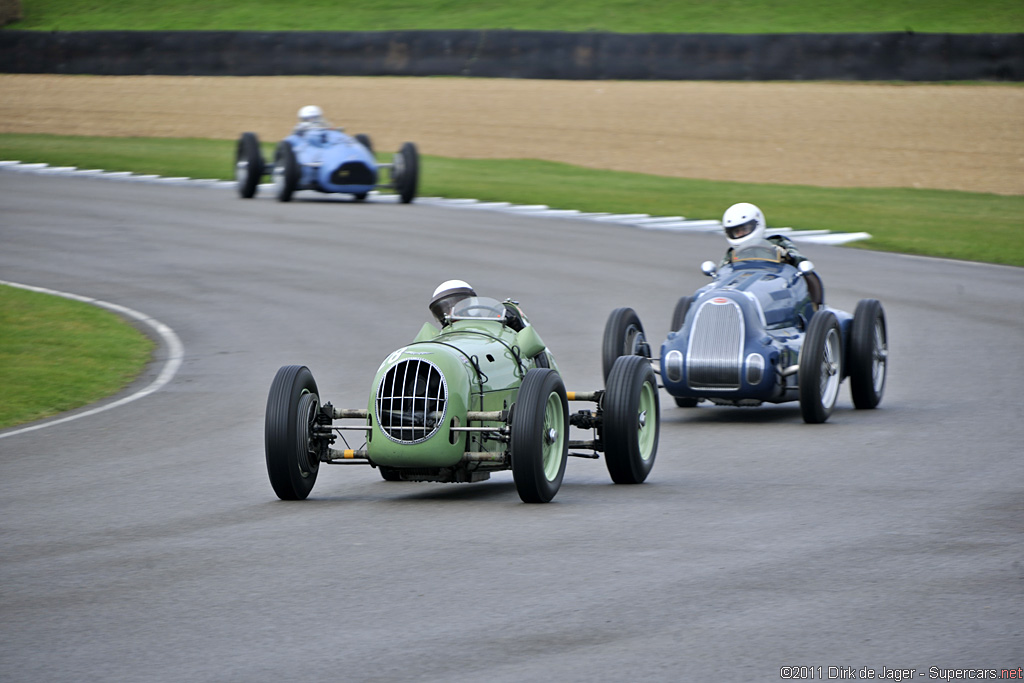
(634, 220)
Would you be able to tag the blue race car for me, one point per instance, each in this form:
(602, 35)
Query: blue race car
(754, 335)
(325, 160)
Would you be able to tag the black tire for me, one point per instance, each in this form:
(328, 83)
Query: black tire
(360, 196)
(631, 424)
(678, 316)
(364, 140)
(540, 436)
(869, 354)
(820, 370)
(679, 313)
(293, 453)
(623, 336)
(406, 172)
(286, 171)
(249, 165)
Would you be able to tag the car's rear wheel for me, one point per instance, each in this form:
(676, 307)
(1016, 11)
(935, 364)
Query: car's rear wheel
(540, 436)
(249, 165)
(286, 172)
(364, 140)
(405, 172)
(869, 354)
(820, 369)
(292, 446)
(623, 336)
(630, 426)
(678, 316)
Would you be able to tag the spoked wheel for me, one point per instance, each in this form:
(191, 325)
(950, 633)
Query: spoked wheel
(405, 172)
(623, 336)
(869, 354)
(820, 369)
(540, 436)
(249, 165)
(678, 316)
(293, 449)
(286, 172)
(631, 420)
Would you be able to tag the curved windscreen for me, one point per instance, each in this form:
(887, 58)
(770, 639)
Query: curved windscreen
(478, 308)
(759, 252)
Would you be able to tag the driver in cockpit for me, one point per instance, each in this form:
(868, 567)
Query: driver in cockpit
(745, 226)
(451, 292)
(311, 118)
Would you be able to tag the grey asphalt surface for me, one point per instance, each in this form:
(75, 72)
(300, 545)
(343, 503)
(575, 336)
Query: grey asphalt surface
(145, 543)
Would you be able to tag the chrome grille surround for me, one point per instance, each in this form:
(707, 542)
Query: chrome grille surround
(714, 356)
(411, 402)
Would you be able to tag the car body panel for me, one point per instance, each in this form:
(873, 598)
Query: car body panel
(481, 369)
(741, 337)
(331, 161)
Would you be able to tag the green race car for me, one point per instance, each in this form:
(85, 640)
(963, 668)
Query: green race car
(479, 395)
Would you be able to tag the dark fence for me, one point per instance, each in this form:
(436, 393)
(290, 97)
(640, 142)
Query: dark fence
(521, 54)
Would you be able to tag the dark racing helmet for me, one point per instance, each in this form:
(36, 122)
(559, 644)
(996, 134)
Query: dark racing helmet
(447, 294)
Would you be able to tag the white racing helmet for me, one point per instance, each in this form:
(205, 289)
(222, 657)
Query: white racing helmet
(743, 224)
(311, 115)
(447, 294)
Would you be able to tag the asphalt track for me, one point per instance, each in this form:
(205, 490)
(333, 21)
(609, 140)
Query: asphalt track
(144, 543)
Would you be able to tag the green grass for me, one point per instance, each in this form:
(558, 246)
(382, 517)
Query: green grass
(622, 16)
(961, 225)
(57, 354)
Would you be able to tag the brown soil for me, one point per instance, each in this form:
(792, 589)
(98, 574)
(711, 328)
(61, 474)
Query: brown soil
(829, 134)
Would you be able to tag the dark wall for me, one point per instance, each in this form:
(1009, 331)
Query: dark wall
(521, 54)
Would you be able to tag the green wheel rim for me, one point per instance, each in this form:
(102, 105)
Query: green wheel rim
(554, 436)
(647, 421)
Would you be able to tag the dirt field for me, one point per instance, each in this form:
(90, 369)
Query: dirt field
(830, 134)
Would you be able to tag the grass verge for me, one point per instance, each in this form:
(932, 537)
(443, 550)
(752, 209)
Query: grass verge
(622, 16)
(57, 354)
(961, 225)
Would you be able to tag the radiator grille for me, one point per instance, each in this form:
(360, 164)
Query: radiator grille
(354, 173)
(411, 401)
(714, 359)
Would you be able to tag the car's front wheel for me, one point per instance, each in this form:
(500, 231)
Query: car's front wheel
(540, 436)
(820, 369)
(290, 440)
(869, 354)
(286, 172)
(249, 165)
(631, 423)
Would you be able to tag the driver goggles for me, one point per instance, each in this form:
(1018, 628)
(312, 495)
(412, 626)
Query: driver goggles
(734, 232)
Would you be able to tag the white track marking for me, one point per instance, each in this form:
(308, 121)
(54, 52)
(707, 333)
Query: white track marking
(636, 220)
(175, 354)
